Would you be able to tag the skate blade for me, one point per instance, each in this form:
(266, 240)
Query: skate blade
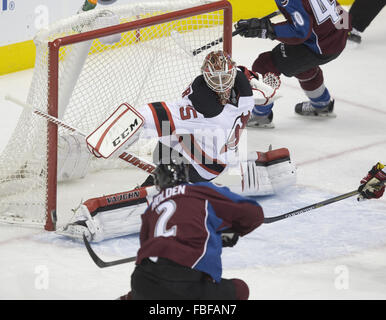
(319, 116)
(264, 126)
(261, 126)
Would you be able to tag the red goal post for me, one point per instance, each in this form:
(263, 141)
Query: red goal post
(107, 76)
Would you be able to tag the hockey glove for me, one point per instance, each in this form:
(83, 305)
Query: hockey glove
(373, 185)
(256, 28)
(229, 238)
(249, 73)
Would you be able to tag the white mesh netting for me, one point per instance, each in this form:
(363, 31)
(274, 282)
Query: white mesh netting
(95, 77)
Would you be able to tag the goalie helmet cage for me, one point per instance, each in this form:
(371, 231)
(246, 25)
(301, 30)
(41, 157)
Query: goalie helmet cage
(88, 64)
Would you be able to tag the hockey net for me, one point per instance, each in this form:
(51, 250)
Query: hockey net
(86, 66)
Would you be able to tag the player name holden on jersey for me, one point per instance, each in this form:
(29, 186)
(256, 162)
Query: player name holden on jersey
(206, 309)
(167, 193)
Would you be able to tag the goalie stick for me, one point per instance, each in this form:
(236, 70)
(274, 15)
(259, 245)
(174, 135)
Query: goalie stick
(99, 262)
(234, 33)
(102, 264)
(126, 156)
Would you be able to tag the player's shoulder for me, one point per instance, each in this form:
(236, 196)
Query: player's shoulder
(201, 89)
(212, 191)
(242, 84)
(209, 185)
(291, 4)
(203, 99)
(282, 3)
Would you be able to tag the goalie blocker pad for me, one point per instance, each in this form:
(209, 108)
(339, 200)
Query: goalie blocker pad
(120, 129)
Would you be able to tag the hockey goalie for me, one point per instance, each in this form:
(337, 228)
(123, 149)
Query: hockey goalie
(201, 129)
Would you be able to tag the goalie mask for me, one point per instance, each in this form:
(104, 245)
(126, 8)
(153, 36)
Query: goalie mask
(170, 175)
(219, 72)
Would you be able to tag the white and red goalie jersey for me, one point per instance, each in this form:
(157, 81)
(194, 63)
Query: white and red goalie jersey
(201, 129)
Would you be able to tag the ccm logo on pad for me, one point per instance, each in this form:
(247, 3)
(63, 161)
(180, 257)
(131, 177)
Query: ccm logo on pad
(132, 127)
(121, 126)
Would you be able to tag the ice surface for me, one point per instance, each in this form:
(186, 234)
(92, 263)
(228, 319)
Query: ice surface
(334, 252)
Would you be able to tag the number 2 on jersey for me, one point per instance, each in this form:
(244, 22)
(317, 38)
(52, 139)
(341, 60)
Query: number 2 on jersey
(165, 211)
(325, 9)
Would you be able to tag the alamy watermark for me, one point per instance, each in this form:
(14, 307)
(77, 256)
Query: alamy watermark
(42, 18)
(42, 278)
(342, 279)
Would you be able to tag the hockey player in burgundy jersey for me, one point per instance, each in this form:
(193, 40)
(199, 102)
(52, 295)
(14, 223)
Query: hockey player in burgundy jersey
(314, 33)
(181, 239)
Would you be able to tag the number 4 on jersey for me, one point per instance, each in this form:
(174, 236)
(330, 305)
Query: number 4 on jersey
(325, 9)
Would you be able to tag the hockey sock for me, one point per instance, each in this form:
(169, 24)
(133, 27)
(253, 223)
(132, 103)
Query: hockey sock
(320, 97)
(312, 82)
(260, 110)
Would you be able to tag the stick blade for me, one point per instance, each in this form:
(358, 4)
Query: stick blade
(99, 262)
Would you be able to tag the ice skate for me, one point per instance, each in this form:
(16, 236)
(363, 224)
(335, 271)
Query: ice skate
(355, 36)
(307, 109)
(256, 121)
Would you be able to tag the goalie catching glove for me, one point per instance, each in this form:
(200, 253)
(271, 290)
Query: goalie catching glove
(373, 185)
(265, 89)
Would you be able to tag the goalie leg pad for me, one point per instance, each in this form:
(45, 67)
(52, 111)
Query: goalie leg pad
(110, 216)
(267, 173)
(254, 180)
(73, 157)
(117, 222)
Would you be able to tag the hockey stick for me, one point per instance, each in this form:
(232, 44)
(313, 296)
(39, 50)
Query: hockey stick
(316, 205)
(99, 262)
(234, 33)
(310, 207)
(126, 156)
(102, 264)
